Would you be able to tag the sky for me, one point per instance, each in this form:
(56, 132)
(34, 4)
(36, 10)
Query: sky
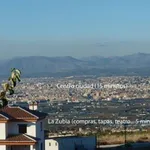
(77, 28)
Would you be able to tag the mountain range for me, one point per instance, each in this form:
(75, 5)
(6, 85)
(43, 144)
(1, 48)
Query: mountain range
(37, 66)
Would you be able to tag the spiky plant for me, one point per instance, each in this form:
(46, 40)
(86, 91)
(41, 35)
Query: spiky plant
(8, 87)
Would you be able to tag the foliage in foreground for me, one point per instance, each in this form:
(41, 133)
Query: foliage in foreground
(8, 87)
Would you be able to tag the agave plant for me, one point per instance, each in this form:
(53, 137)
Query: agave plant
(9, 86)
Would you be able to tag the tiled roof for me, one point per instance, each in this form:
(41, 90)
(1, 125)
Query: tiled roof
(20, 138)
(35, 112)
(5, 114)
(2, 117)
(16, 112)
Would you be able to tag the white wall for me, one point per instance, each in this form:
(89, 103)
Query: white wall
(33, 129)
(3, 131)
(53, 145)
(2, 147)
(68, 143)
(13, 128)
(33, 107)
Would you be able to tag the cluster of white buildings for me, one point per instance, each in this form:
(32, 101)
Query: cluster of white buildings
(23, 129)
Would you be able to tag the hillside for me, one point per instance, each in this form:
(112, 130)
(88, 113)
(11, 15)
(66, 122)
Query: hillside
(136, 64)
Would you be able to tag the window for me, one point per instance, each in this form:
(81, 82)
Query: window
(41, 126)
(49, 144)
(22, 128)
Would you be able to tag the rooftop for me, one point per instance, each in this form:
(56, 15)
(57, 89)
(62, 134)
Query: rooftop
(20, 139)
(20, 113)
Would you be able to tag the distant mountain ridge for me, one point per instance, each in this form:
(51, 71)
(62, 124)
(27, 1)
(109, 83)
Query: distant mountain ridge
(64, 66)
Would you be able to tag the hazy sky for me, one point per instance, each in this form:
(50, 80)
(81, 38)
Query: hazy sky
(74, 27)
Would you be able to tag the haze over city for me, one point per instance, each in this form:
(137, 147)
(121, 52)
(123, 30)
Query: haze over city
(75, 75)
(74, 28)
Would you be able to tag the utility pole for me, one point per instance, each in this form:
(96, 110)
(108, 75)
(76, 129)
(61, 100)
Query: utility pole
(125, 128)
(125, 134)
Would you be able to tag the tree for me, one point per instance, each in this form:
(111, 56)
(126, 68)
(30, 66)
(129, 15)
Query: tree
(8, 87)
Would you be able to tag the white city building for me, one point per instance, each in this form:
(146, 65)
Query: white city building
(71, 143)
(21, 128)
